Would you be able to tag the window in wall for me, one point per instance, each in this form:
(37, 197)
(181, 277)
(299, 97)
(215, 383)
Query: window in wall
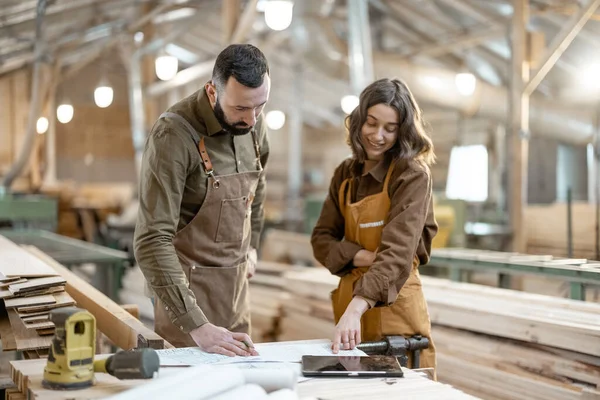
(468, 173)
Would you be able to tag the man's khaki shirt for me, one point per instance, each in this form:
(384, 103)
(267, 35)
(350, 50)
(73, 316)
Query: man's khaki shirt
(172, 189)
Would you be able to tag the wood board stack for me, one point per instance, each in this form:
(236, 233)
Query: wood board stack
(267, 295)
(494, 343)
(307, 314)
(288, 247)
(546, 229)
(29, 290)
(513, 344)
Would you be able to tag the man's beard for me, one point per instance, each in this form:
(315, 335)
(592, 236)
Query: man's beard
(237, 128)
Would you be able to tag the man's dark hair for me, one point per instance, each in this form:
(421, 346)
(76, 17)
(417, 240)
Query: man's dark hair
(246, 63)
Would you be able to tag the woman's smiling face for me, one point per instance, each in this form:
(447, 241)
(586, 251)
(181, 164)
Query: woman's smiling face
(380, 131)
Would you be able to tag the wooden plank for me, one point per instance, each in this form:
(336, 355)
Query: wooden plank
(38, 292)
(39, 325)
(14, 262)
(36, 318)
(45, 332)
(26, 339)
(6, 333)
(4, 279)
(61, 300)
(29, 301)
(6, 284)
(33, 314)
(36, 284)
(124, 330)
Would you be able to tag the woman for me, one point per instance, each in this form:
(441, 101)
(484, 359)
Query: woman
(377, 223)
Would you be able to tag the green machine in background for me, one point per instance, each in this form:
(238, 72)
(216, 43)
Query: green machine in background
(312, 210)
(21, 211)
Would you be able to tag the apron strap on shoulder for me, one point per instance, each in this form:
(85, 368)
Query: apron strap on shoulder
(256, 149)
(342, 198)
(387, 176)
(208, 168)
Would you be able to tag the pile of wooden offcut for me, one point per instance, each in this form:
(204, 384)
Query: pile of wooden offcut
(504, 344)
(267, 295)
(307, 314)
(493, 343)
(29, 290)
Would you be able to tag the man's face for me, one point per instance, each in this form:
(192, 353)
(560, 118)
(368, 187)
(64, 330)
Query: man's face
(236, 106)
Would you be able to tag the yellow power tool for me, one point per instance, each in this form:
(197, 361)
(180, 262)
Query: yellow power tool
(71, 362)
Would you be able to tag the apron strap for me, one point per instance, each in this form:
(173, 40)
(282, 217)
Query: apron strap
(208, 168)
(344, 200)
(387, 176)
(256, 150)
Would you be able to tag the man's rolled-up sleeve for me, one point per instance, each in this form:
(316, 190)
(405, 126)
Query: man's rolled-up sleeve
(162, 180)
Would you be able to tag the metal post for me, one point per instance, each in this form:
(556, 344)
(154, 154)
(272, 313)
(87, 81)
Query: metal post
(136, 109)
(596, 163)
(569, 223)
(34, 112)
(294, 212)
(519, 124)
(50, 173)
(360, 57)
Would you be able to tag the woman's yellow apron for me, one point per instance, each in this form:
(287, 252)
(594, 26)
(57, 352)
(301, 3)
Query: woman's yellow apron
(408, 316)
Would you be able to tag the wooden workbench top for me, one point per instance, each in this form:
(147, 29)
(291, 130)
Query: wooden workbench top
(28, 374)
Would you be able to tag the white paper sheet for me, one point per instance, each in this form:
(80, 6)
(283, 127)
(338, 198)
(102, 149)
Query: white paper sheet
(268, 352)
(297, 368)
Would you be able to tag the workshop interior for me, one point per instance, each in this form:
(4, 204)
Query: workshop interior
(509, 96)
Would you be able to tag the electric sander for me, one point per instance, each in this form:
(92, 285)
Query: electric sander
(71, 363)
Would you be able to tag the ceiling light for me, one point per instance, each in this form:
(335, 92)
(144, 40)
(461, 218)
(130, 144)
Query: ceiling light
(278, 14)
(166, 67)
(349, 103)
(103, 96)
(465, 83)
(42, 125)
(275, 119)
(64, 113)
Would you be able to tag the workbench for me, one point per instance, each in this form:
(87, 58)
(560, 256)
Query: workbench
(71, 252)
(27, 375)
(577, 272)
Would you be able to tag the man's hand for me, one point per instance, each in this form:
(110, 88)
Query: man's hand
(252, 260)
(214, 339)
(364, 258)
(347, 332)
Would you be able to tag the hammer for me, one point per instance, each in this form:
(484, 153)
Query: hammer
(398, 346)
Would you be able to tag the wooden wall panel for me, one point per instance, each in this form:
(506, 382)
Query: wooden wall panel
(14, 111)
(6, 123)
(104, 133)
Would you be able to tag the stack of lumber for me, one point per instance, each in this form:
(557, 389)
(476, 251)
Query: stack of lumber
(267, 295)
(528, 345)
(288, 247)
(29, 290)
(308, 313)
(494, 343)
(546, 229)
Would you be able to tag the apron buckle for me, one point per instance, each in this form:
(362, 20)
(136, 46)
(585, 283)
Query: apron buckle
(216, 184)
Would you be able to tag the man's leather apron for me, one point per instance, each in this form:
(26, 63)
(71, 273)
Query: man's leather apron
(213, 249)
(364, 223)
